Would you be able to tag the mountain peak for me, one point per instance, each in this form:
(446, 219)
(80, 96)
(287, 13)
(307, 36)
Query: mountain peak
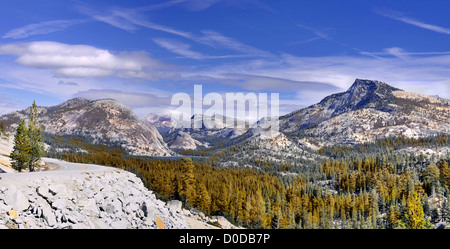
(370, 110)
(362, 94)
(372, 85)
(75, 102)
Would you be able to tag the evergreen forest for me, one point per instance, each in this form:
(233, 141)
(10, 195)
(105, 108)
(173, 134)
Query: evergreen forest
(367, 186)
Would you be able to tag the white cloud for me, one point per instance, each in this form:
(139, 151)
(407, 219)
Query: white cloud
(41, 28)
(305, 80)
(217, 40)
(67, 83)
(400, 17)
(267, 83)
(197, 5)
(289, 73)
(200, 5)
(185, 50)
(318, 34)
(132, 19)
(82, 61)
(129, 20)
(81, 72)
(180, 49)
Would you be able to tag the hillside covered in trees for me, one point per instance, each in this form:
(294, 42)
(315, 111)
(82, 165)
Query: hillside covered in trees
(361, 186)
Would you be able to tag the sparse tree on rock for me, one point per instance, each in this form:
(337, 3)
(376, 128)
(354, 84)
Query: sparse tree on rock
(20, 155)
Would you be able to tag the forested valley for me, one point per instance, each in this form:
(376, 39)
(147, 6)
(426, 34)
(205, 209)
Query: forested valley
(368, 186)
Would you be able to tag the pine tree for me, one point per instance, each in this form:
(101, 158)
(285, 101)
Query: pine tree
(188, 181)
(203, 198)
(36, 136)
(222, 201)
(430, 178)
(444, 173)
(445, 211)
(414, 213)
(393, 217)
(20, 155)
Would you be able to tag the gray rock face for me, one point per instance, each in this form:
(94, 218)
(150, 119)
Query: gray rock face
(100, 121)
(16, 198)
(367, 111)
(111, 199)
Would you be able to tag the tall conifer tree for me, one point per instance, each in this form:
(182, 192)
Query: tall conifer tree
(20, 155)
(28, 142)
(35, 133)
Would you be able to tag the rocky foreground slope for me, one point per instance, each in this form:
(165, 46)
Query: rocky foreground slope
(94, 200)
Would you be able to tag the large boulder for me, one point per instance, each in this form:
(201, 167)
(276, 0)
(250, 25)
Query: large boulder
(175, 205)
(46, 212)
(440, 225)
(16, 198)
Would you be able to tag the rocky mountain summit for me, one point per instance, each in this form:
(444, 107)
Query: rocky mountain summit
(104, 121)
(362, 94)
(367, 111)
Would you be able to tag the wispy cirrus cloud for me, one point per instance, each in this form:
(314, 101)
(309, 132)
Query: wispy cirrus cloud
(217, 40)
(133, 19)
(318, 34)
(194, 5)
(399, 16)
(180, 49)
(401, 53)
(312, 78)
(41, 28)
(185, 51)
(128, 19)
(201, 5)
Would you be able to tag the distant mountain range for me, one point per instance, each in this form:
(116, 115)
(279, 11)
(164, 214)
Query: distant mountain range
(193, 138)
(367, 111)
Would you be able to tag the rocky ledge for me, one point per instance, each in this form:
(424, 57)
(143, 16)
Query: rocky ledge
(95, 200)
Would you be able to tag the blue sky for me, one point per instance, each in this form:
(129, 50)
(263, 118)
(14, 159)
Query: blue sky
(142, 52)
